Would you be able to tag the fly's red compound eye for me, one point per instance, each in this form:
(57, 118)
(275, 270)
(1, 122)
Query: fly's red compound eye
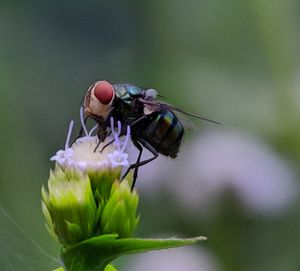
(104, 92)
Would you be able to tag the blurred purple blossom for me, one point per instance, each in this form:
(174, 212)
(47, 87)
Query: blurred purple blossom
(219, 160)
(179, 259)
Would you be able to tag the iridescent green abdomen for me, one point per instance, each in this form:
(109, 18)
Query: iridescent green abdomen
(164, 132)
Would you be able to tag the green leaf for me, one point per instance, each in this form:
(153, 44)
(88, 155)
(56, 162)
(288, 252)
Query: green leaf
(95, 253)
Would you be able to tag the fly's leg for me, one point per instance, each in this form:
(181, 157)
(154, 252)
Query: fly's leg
(139, 163)
(107, 144)
(102, 134)
(135, 173)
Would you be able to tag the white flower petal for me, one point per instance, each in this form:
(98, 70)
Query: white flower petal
(85, 153)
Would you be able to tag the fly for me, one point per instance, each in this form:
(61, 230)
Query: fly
(154, 124)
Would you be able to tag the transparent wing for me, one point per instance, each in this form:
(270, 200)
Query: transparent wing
(190, 114)
(154, 105)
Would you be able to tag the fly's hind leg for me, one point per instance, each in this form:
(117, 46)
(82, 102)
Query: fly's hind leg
(140, 143)
(135, 173)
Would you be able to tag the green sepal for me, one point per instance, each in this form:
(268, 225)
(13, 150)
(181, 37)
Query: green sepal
(119, 214)
(73, 228)
(96, 253)
(102, 181)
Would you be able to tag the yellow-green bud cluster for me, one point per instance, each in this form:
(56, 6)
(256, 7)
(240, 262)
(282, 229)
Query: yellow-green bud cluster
(78, 206)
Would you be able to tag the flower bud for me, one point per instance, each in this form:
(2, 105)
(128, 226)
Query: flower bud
(69, 206)
(119, 214)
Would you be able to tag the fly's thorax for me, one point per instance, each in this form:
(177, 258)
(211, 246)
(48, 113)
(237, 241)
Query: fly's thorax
(127, 112)
(127, 92)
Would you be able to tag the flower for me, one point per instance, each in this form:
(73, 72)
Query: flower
(228, 160)
(84, 189)
(178, 259)
(89, 210)
(263, 182)
(86, 154)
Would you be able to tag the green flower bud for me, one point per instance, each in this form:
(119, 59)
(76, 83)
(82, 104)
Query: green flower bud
(69, 206)
(119, 213)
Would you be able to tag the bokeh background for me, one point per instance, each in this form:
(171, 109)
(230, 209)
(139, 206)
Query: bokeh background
(233, 61)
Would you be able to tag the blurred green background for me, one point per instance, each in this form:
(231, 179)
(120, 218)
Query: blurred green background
(233, 61)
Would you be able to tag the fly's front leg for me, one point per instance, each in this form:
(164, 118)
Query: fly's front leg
(102, 134)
